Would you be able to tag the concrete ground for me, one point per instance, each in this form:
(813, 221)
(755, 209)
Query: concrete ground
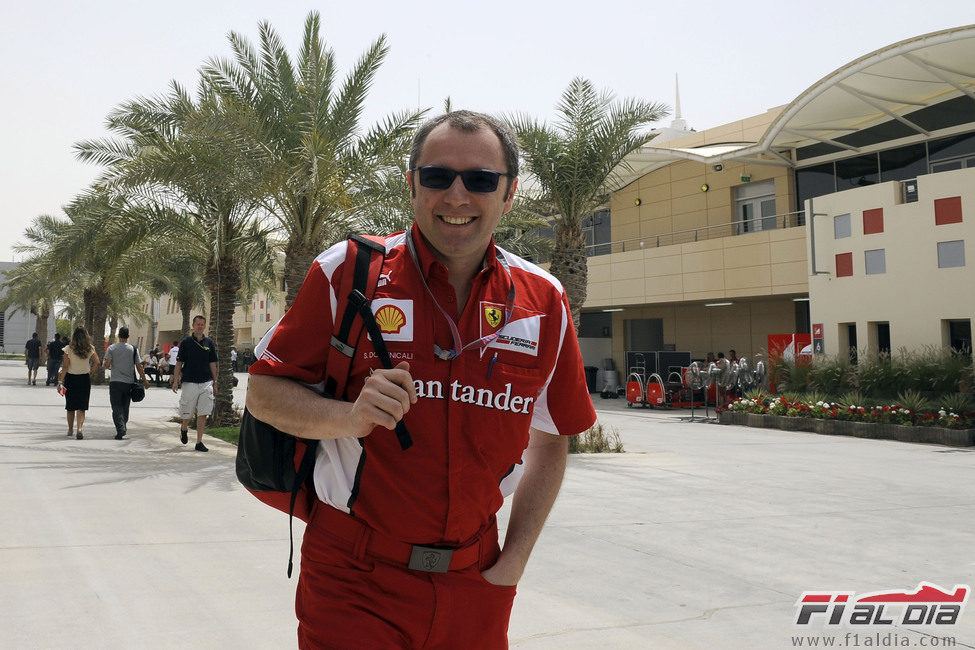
(699, 536)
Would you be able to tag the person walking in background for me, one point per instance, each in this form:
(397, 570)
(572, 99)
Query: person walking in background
(80, 364)
(233, 359)
(173, 353)
(248, 358)
(55, 353)
(32, 354)
(122, 359)
(195, 371)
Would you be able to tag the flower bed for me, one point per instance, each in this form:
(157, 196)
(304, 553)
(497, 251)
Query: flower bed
(891, 422)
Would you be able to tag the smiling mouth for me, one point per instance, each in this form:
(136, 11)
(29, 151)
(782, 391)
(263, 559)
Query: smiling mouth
(456, 221)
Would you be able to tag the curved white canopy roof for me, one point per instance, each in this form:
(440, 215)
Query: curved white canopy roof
(883, 86)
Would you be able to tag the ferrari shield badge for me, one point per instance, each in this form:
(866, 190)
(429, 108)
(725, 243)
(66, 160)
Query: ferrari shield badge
(493, 316)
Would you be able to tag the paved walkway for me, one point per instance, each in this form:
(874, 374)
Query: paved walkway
(700, 536)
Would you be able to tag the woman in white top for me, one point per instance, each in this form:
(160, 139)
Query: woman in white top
(80, 363)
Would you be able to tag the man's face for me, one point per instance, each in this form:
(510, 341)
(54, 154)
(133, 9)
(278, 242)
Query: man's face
(199, 324)
(457, 223)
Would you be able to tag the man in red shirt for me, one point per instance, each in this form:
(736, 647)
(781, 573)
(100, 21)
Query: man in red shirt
(402, 549)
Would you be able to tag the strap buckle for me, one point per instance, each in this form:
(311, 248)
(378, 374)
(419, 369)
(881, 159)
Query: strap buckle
(430, 559)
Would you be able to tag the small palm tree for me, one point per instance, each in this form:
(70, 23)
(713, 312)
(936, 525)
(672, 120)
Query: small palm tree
(577, 162)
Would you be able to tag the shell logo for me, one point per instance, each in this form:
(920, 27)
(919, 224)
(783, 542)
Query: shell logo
(390, 319)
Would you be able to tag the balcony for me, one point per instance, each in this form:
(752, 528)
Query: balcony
(731, 229)
(758, 258)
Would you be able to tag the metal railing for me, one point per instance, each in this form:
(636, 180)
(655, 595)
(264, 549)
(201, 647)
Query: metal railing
(731, 229)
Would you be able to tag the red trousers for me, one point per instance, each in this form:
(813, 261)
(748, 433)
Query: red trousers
(356, 592)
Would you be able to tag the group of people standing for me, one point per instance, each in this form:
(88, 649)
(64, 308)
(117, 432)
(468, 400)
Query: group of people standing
(72, 365)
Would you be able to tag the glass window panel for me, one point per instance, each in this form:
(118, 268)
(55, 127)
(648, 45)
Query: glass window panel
(857, 172)
(945, 166)
(841, 226)
(875, 261)
(903, 163)
(951, 254)
(768, 214)
(812, 182)
(954, 147)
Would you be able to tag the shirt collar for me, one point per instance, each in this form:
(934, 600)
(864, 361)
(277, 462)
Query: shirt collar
(428, 262)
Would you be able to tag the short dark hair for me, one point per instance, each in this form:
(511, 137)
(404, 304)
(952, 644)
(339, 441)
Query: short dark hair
(199, 316)
(123, 332)
(35, 335)
(470, 122)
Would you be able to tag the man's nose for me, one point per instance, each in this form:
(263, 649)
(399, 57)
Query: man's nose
(457, 192)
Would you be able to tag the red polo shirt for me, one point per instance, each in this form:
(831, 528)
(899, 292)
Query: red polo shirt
(471, 420)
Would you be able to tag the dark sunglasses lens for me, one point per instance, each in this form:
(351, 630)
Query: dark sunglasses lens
(480, 181)
(437, 178)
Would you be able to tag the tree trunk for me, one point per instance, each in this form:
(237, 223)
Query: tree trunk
(185, 307)
(569, 264)
(99, 314)
(112, 328)
(224, 282)
(88, 301)
(43, 313)
(297, 260)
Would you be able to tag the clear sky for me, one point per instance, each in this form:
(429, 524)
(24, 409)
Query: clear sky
(66, 64)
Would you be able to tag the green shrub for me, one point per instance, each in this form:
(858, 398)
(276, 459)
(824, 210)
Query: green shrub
(831, 375)
(875, 376)
(852, 398)
(913, 400)
(956, 402)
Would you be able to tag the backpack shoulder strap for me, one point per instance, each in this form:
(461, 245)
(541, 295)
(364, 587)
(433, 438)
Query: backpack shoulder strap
(364, 258)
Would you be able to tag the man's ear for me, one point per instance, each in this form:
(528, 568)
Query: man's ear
(510, 197)
(409, 181)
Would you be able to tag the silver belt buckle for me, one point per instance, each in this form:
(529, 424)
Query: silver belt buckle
(430, 559)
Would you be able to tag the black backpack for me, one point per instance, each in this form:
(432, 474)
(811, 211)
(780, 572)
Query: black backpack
(276, 467)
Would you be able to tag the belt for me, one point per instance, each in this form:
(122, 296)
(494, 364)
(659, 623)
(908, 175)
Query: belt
(432, 559)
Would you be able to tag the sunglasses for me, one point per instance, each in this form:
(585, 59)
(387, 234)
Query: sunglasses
(475, 180)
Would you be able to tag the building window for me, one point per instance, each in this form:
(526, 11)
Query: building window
(875, 261)
(959, 333)
(812, 182)
(841, 226)
(596, 229)
(857, 172)
(873, 221)
(844, 265)
(903, 163)
(882, 333)
(947, 210)
(957, 152)
(951, 254)
(755, 207)
(848, 340)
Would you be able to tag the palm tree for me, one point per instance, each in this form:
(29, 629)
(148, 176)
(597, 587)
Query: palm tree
(181, 276)
(576, 163)
(186, 183)
(29, 289)
(300, 133)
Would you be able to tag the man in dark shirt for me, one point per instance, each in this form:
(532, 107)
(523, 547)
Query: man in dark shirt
(55, 354)
(32, 353)
(195, 371)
